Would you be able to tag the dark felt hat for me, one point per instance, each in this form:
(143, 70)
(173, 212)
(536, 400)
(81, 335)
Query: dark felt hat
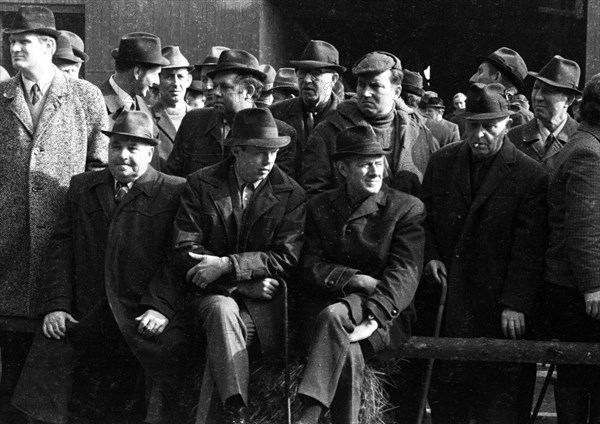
(136, 124)
(412, 82)
(212, 58)
(435, 102)
(319, 54)
(256, 127)
(238, 60)
(286, 78)
(176, 59)
(36, 19)
(511, 63)
(76, 44)
(64, 50)
(359, 140)
(270, 72)
(140, 47)
(376, 62)
(196, 84)
(486, 102)
(560, 73)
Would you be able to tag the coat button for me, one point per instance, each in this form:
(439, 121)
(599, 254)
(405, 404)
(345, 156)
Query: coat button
(460, 217)
(457, 256)
(394, 312)
(329, 283)
(348, 230)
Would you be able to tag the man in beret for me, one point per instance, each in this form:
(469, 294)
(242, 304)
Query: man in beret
(239, 233)
(49, 131)
(208, 65)
(92, 298)
(200, 140)
(445, 132)
(407, 143)
(554, 91)
(362, 264)
(317, 71)
(485, 235)
(285, 86)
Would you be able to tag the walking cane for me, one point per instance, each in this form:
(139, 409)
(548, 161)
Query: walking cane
(436, 333)
(286, 353)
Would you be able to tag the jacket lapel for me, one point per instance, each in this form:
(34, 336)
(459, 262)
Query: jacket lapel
(110, 97)
(263, 200)
(221, 197)
(56, 97)
(369, 206)
(462, 170)
(104, 189)
(18, 104)
(165, 124)
(533, 139)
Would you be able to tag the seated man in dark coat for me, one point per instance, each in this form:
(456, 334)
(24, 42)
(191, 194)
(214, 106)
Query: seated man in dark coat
(105, 285)
(240, 231)
(364, 252)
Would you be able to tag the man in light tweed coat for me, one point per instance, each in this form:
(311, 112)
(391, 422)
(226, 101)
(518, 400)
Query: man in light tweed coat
(49, 131)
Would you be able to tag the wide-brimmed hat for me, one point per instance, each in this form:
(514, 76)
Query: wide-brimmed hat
(375, 63)
(175, 57)
(560, 72)
(36, 19)
(212, 58)
(270, 72)
(435, 102)
(140, 47)
(319, 54)
(238, 60)
(256, 127)
(486, 101)
(359, 140)
(136, 124)
(510, 63)
(76, 44)
(286, 78)
(64, 50)
(412, 83)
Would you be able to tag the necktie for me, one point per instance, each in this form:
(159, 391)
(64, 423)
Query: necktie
(122, 190)
(247, 192)
(549, 141)
(310, 123)
(36, 94)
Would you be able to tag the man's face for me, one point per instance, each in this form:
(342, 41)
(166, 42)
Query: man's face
(434, 113)
(229, 94)
(316, 85)
(27, 51)
(146, 78)
(70, 69)
(207, 85)
(128, 158)
(254, 163)
(486, 74)
(460, 103)
(485, 137)
(549, 104)
(364, 175)
(376, 94)
(173, 85)
(195, 99)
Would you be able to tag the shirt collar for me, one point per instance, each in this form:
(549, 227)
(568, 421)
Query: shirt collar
(124, 97)
(544, 132)
(43, 83)
(241, 182)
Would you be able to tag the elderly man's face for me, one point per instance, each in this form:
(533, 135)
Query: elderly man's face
(363, 174)
(376, 94)
(29, 50)
(128, 158)
(173, 85)
(549, 103)
(485, 138)
(254, 163)
(486, 74)
(316, 85)
(145, 79)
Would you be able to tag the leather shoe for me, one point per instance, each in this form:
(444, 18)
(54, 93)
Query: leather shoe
(236, 416)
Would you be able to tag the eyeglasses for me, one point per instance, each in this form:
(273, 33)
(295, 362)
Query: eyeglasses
(314, 73)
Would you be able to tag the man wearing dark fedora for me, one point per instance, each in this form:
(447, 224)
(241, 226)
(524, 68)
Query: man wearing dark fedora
(50, 130)
(362, 263)
(486, 235)
(208, 65)
(266, 94)
(412, 88)
(200, 140)
(406, 140)
(194, 95)
(239, 233)
(168, 112)
(285, 85)
(92, 298)
(65, 58)
(554, 91)
(445, 132)
(317, 71)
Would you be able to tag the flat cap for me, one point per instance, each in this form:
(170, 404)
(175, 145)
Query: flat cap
(376, 62)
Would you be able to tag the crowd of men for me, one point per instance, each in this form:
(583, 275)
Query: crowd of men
(176, 197)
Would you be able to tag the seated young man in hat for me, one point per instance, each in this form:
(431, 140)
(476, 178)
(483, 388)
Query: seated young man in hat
(239, 234)
(362, 264)
(104, 285)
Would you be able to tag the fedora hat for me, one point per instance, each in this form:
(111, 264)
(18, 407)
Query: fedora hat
(510, 63)
(359, 140)
(64, 50)
(561, 73)
(256, 127)
(238, 60)
(140, 47)
(435, 102)
(212, 58)
(36, 19)
(319, 54)
(486, 102)
(175, 58)
(412, 83)
(376, 62)
(196, 84)
(286, 78)
(270, 72)
(76, 44)
(136, 124)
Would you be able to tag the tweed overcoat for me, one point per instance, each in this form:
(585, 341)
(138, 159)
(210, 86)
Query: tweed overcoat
(444, 131)
(264, 241)
(198, 143)
(36, 166)
(383, 238)
(492, 242)
(527, 138)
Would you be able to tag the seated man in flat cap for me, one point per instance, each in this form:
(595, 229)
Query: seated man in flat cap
(406, 142)
(104, 286)
(239, 235)
(362, 264)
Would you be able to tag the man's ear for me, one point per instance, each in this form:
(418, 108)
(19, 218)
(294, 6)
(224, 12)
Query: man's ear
(342, 168)
(335, 77)
(397, 91)
(137, 72)
(509, 124)
(249, 91)
(235, 150)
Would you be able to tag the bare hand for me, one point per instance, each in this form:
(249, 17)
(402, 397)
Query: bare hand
(362, 283)
(152, 323)
(513, 324)
(54, 325)
(592, 304)
(208, 269)
(363, 330)
(437, 269)
(264, 288)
